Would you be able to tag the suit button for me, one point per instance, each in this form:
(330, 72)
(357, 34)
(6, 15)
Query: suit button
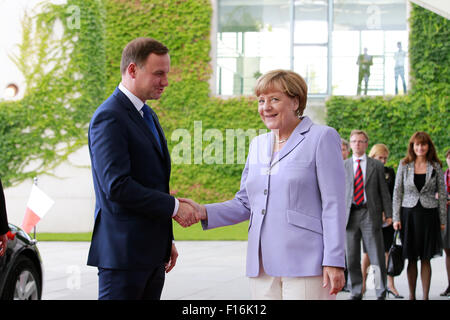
(263, 211)
(265, 192)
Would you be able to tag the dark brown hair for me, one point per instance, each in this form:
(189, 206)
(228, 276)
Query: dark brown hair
(421, 137)
(138, 50)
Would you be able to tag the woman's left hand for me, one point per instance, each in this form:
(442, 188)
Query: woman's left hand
(335, 277)
(442, 227)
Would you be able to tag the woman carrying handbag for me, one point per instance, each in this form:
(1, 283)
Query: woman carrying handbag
(396, 262)
(419, 209)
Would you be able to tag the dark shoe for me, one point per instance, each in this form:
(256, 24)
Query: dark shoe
(396, 296)
(446, 293)
(381, 298)
(355, 298)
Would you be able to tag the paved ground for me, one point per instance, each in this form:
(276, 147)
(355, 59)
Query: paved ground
(206, 270)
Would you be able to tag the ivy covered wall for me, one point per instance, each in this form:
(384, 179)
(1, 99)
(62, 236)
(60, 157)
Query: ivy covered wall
(64, 89)
(393, 120)
(65, 78)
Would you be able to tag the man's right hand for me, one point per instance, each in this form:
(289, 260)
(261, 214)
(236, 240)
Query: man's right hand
(200, 209)
(186, 215)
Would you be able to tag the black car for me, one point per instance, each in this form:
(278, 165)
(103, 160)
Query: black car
(20, 268)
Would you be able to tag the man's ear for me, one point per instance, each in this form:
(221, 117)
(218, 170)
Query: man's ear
(131, 70)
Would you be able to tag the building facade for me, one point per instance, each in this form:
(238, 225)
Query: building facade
(319, 39)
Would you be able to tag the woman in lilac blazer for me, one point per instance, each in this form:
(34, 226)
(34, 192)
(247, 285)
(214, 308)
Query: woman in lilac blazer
(293, 192)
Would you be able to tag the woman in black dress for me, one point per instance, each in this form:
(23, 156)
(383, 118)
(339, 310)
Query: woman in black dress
(419, 208)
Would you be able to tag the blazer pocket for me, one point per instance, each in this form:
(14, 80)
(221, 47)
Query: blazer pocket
(298, 164)
(304, 221)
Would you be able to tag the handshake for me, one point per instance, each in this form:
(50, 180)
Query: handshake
(189, 213)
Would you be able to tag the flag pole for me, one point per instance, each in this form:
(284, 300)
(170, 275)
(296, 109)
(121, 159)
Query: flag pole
(35, 181)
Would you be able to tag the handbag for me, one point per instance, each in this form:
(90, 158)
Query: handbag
(396, 262)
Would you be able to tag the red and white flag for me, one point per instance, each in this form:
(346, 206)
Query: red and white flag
(38, 205)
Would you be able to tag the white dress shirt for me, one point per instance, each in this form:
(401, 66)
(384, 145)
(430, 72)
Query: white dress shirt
(363, 165)
(138, 104)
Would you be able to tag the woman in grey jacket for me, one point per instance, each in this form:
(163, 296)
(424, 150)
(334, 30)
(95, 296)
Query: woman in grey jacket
(419, 208)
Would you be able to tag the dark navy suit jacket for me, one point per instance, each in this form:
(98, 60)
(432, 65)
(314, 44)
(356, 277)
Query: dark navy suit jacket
(133, 210)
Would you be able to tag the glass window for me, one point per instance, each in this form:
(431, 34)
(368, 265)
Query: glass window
(254, 37)
(391, 47)
(311, 63)
(371, 25)
(369, 15)
(311, 43)
(344, 68)
(311, 21)
(373, 42)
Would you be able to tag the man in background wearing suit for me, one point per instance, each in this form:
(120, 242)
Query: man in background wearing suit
(3, 222)
(132, 242)
(367, 196)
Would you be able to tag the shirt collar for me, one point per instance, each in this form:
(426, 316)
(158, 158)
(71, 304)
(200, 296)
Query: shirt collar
(138, 104)
(362, 158)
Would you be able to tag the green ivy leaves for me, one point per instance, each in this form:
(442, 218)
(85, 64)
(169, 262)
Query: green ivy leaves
(64, 69)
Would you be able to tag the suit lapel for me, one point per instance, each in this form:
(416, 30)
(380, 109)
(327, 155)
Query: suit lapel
(138, 119)
(350, 173)
(294, 140)
(369, 170)
(410, 174)
(269, 150)
(428, 174)
(350, 169)
(165, 148)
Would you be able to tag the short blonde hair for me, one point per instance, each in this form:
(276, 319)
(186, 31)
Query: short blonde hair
(378, 149)
(356, 131)
(288, 82)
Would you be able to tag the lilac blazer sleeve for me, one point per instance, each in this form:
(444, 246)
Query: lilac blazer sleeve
(331, 182)
(232, 211)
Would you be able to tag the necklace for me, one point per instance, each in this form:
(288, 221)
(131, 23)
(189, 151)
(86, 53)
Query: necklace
(281, 141)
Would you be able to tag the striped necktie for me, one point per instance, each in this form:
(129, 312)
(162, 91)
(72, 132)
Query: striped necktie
(358, 196)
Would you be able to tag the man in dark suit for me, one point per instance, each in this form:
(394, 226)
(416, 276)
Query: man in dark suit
(132, 242)
(367, 197)
(3, 222)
